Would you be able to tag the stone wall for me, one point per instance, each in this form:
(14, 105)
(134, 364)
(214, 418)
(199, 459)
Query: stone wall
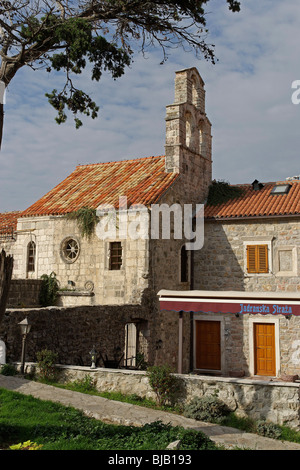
(275, 401)
(24, 293)
(71, 332)
(221, 263)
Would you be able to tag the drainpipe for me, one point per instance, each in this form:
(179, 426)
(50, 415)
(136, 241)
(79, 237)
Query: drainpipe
(180, 342)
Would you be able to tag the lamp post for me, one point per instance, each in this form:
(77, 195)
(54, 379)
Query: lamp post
(25, 326)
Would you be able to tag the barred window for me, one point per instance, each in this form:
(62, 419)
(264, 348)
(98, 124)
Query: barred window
(115, 256)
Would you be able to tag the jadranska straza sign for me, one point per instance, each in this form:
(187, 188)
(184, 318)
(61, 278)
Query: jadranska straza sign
(237, 306)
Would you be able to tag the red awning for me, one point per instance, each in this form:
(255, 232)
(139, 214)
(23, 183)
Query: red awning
(230, 302)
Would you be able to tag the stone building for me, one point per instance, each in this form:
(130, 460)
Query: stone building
(118, 268)
(246, 295)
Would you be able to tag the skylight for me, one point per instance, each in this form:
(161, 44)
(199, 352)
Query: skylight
(281, 189)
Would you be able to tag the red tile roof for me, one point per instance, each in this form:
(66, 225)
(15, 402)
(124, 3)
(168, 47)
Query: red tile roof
(259, 203)
(142, 181)
(8, 222)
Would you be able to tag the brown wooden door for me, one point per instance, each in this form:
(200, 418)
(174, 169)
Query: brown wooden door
(208, 345)
(264, 348)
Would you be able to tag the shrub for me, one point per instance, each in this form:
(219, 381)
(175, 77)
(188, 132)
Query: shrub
(46, 364)
(195, 440)
(207, 408)
(49, 290)
(163, 383)
(8, 369)
(84, 385)
(268, 429)
(28, 445)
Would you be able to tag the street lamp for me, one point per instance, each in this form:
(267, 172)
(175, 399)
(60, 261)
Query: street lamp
(25, 326)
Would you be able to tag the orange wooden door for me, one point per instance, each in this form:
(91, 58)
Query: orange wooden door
(264, 345)
(208, 345)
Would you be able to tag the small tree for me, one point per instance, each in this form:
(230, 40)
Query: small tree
(162, 383)
(68, 35)
(46, 360)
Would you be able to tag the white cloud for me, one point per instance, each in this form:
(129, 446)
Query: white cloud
(248, 92)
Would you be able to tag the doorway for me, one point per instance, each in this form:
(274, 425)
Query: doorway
(208, 345)
(264, 349)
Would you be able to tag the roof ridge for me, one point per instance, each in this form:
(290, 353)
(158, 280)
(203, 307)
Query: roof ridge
(119, 161)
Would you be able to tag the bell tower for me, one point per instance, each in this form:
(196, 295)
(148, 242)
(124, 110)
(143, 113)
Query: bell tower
(188, 130)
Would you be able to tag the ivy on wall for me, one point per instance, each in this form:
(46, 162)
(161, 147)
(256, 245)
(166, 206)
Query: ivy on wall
(221, 191)
(87, 220)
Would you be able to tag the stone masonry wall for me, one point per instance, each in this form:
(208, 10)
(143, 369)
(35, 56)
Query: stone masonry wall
(221, 263)
(24, 293)
(71, 333)
(110, 287)
(277, 402)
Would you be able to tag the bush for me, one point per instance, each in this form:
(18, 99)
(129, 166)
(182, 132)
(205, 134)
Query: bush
(163, 383)
(84, 385)
(49, 290)
(207, 408)
(8, 369)
(46, 364)
(268, 429)
(195, 440)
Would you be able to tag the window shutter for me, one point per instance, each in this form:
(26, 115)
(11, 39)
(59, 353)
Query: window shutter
(251, 258)
(257, 259)
(262, 259)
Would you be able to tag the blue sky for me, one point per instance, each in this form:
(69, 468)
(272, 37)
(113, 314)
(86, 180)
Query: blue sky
(255, 125)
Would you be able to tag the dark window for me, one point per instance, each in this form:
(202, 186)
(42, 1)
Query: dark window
(31, 257)
(184, 265)
(115, 258)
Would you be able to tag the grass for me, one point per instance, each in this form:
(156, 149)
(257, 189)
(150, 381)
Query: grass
(56, 427)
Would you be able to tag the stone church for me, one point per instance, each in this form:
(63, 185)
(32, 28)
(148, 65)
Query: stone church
(115, 270)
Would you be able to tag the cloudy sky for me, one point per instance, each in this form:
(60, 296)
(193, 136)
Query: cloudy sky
(256, 127)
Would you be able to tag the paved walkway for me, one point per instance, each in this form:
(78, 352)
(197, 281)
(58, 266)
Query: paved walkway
(114, 412)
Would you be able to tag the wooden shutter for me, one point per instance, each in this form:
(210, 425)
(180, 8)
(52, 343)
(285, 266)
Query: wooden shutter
(262, 259)
(257, 259)
(251, 258)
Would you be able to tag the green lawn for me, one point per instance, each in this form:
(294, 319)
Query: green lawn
(57, 427)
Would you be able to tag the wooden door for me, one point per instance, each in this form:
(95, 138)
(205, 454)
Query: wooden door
(208, 345)
(264, 349)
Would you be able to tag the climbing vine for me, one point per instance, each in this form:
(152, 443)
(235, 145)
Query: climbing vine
(87, 220)
(221, 191)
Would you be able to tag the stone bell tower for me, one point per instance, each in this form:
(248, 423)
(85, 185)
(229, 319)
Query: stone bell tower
(188, 131)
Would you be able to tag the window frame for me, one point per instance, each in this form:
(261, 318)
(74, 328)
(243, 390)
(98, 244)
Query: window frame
(119, 256)
(257, 259)
(31, 266)
(63, 248)
(258, 241)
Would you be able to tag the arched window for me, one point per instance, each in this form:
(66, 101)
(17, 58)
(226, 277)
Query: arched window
(202, 139)
(31, 251)
(190, 132)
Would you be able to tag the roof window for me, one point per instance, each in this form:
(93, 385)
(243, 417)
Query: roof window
(281, 189)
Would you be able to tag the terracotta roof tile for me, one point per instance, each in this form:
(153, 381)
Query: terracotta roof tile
(142, 181)
(8, 221)
(259, 203)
